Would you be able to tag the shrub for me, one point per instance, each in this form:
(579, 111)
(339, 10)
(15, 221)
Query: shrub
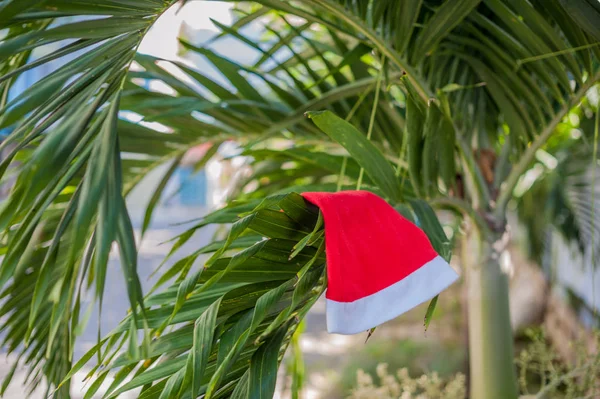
(403, 386)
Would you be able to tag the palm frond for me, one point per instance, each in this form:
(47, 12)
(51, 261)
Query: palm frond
(57, 223)
(218, 325)
(570, 198)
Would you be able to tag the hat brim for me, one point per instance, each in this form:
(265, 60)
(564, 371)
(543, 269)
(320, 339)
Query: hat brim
(392, 301)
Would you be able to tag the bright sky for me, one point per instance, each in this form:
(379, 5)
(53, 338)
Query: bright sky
(161, 40)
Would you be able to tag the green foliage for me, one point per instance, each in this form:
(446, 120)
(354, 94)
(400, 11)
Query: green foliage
(402, 386)
(541, 366)
(542, 374)
(559, 191)
(586, 11)
(295, 366)
(211, 333)
(458, 77)
(445, 359)
(361, 149)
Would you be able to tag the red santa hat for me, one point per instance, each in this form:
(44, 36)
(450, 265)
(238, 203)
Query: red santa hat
(379, 264)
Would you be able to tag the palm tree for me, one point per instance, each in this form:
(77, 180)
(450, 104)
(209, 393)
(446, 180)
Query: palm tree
(424, 102)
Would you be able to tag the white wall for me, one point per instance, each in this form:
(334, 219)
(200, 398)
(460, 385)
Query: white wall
(567, 268)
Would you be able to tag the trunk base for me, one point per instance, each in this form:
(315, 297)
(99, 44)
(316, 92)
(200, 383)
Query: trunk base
(492, 367)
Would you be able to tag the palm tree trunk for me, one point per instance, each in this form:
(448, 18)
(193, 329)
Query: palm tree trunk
(492, 369)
